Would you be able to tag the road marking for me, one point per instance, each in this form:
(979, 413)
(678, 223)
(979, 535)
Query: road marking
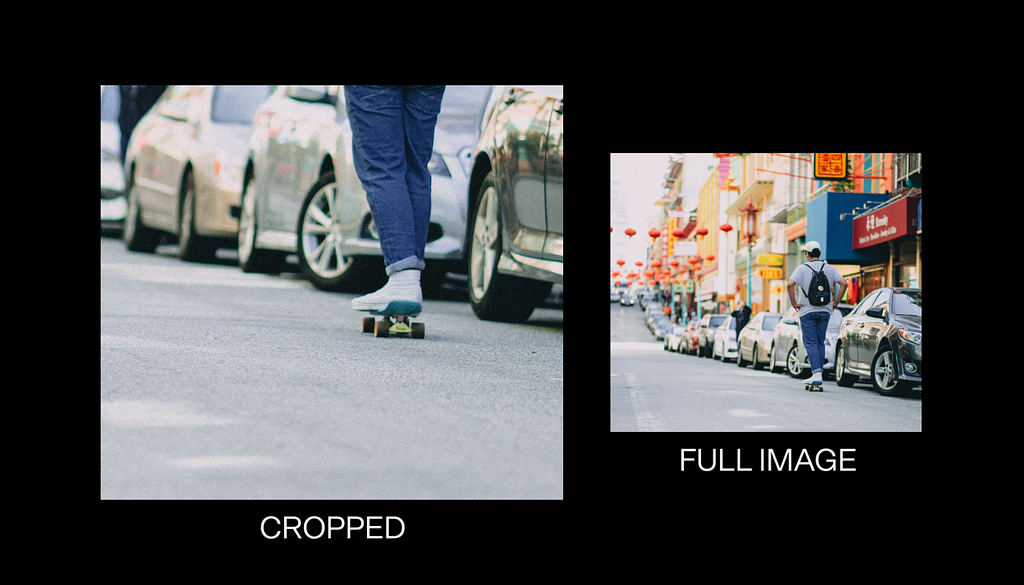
(221, 462)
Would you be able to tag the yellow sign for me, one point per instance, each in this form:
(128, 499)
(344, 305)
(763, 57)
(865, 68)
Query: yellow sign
(830, 166)
(770, 273)
(769, 259)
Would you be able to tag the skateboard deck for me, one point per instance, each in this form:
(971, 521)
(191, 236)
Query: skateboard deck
(396, 321)
(811, 387)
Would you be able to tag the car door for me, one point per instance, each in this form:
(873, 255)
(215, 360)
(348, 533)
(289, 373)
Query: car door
(169, 144)
(856, 319)
(553, 182)
(873, 328)
(523, 118)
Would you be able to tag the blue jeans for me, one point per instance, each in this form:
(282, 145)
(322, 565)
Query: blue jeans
(392, 141)
(813, 327)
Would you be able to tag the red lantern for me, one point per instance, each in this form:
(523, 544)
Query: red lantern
(620, 262)
(725, 227)
(639, 263)
(710, 258)
(678, 233)
(654, 233)
(674, 263)
(613, 229)
(630, 232)
(702, 231)
(656, 263)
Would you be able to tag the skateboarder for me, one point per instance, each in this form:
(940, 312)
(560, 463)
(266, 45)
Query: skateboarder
(392, 142)
(814, 317)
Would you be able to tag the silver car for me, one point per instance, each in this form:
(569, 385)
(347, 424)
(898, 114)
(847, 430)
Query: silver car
(184, 167)
(302, 193)
(515, 227)
(788, 353)
(756, 339)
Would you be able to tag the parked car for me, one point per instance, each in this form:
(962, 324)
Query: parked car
(706, 334)
(184, 168)
(675, 336)
(787, 351)
(112, 202)
(756, 340)
(515, 225)
(881, 339)
(725, 339)
(627, 300)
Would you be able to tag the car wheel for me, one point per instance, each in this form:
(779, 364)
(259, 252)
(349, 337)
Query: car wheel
(794, 366)
(137, 237)
(191, 246)
(320, 238)
(772, 364)
(884, 376)
(494, 296)
(251, 258)
(843, 375)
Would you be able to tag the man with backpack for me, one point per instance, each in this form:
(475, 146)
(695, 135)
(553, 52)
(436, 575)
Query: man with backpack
(815, 303)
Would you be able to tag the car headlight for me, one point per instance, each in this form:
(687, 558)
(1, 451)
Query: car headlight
(910, 336)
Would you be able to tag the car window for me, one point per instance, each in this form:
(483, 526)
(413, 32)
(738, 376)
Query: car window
(882, 302)
(237, 104)
(866, 304)
(770, 321)
(906, 303)
(716, 320)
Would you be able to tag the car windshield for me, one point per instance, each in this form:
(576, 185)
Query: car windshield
(237, 104)
(907, 303)
(770, 321)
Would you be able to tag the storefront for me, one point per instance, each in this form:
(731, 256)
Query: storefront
(894, 228)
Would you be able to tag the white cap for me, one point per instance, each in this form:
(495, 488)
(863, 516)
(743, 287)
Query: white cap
(809, 246)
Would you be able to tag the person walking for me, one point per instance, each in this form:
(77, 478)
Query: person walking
(392, 141)
(815, 304)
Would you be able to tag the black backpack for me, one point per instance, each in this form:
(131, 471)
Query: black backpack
(820, 293)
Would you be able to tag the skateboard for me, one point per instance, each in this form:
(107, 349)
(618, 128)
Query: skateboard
(396, 321)
(813, 386)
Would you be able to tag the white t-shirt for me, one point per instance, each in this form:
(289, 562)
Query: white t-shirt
(802, 277)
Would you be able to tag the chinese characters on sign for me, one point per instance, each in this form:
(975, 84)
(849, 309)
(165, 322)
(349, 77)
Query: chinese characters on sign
(830, 166)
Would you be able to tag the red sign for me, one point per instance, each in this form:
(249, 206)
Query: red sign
(888, 223)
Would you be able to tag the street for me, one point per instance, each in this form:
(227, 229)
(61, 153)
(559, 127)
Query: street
(215, 383)
(656, 390)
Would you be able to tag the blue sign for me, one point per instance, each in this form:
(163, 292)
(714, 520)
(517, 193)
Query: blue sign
(835, 235)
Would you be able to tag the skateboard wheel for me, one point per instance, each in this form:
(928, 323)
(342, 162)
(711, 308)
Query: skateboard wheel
(417, 330)
(381, 328)
(367, 324)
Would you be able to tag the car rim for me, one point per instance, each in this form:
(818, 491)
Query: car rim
(883, 371)
(794, 367)
(321, 235)
(133, 213)
(247, 223)
(485, 242)
(840, 362)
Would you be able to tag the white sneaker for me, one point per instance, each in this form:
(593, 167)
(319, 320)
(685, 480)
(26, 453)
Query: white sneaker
(815, 377)
(403, 289)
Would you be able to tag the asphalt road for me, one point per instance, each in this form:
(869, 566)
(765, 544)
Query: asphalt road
(656, 390)
(219, 384)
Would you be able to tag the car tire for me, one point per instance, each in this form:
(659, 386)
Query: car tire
(251, 258)
(884, 375)
(843, 375)
(137, 237)
(192, 247)
(319, 241)
(495, 296)
(793, 366)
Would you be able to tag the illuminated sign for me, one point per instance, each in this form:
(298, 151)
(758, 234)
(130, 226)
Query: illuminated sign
(830, 166)
(770, 273)
(769, 259)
